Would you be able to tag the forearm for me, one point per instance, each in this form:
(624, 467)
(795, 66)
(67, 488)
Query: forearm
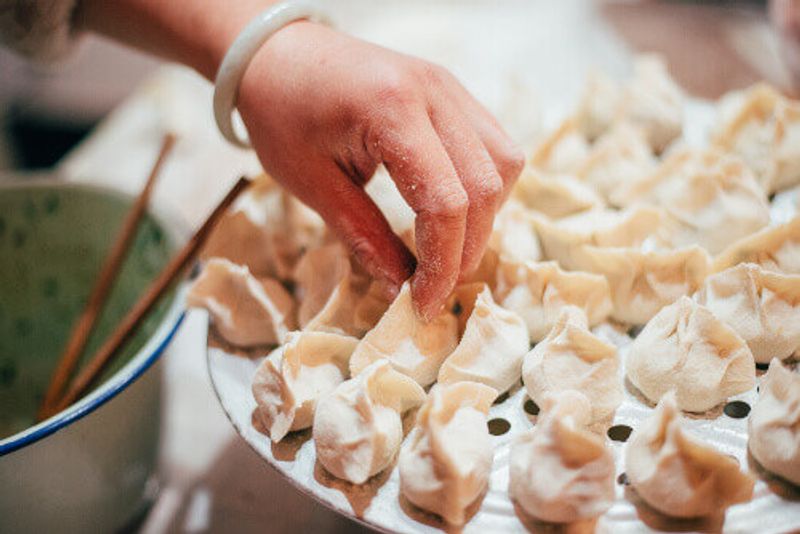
(196, 33)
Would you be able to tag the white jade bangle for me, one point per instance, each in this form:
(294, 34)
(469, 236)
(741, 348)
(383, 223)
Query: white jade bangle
(241, 53)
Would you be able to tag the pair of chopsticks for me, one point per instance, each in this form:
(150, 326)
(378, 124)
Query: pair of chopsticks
(56, 399)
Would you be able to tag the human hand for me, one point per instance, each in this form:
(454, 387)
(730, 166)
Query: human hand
(323, 110)
(785, 15)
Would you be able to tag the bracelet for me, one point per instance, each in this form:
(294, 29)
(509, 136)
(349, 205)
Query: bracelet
(241, 53)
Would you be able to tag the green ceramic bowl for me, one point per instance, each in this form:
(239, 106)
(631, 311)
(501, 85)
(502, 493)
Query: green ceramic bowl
(86, 467)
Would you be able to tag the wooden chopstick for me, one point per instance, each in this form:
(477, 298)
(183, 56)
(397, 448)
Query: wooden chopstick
(169, 274)
(83, 328)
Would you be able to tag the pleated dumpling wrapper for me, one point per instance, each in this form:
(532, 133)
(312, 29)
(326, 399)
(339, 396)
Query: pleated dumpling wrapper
(559, 471)
(562, 151)
(763, 127)
(762, 306)
(597, 107)
(572, 357)
(330, 292)
(358, 427)
(538, 292)
(686, 349)
(513, 237)
(292, 378)
(563, 240)
(776, 248)
(677, 474)
(643, 282)
(491, 349)
(709, 198)
(446, 463)
(245, 310)
(556, 196)
(266, 229)
(774, 423)
(414, 347)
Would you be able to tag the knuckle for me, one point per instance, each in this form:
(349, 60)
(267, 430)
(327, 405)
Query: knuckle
(488, 190)
(432, 73)
(451, 206)
(510, 164)
(395, 89)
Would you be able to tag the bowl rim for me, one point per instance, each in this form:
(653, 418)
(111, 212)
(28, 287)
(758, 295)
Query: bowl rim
(177, 232)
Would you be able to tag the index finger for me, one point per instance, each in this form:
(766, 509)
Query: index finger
(425, 176)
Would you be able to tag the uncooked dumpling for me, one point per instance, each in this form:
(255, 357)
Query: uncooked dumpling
(556, 195)
(414, 347)
(679, 475)
(644, 282)
(563, 240)
(513, 237)
(246, 311)
(774, 424)
(562, 151)
(491, 349)
(710, 199)
(358, 428)
(763, 127)
(597, 108)
(620, 157)
(686, 349)
(653, 101)
(559, 471)
(538, 292)
(266, 229)
(763, 307)
(446, 464)
(572, 357)
(776, 248)
(290, 381)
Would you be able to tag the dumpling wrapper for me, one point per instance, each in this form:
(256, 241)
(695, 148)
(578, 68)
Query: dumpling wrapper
(644, 282)
(563, 240)
(358, 428)
(709, 199)
(573, 358)
(555, 196)
(774, 424)
(775, 248)
(513, 236)
(491, 350)
(413, 347)
(538, 292)
(266, 229)
(446, 464)
(679, 475)
(559, 471)
(292, 378)
(597, 108)
(763, 307)
(562, 151)
(686, 349)
(246, 311)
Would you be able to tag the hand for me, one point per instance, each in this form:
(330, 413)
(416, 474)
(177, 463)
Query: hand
(324, 109)
(785, 15)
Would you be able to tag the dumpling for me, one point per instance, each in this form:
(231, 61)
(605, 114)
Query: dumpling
(686, 349)
(776, 248)
(563, 240)
(266, 229)
(562, 151)
(246, 311)
(555, 195)
(653, 101)
(763, 128)
(644, 282)
(491, 349)
(597, 108)
(513, 236)
(445, 465)
(292, 378)
(710, 199)
(559, 471)
(329, 292)
(572, 357)
(679, 475)
(414, 347)
(370, 307)
(763, 307)
(538, 292)
(774, 424)
(358, 427)
(620, 157)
